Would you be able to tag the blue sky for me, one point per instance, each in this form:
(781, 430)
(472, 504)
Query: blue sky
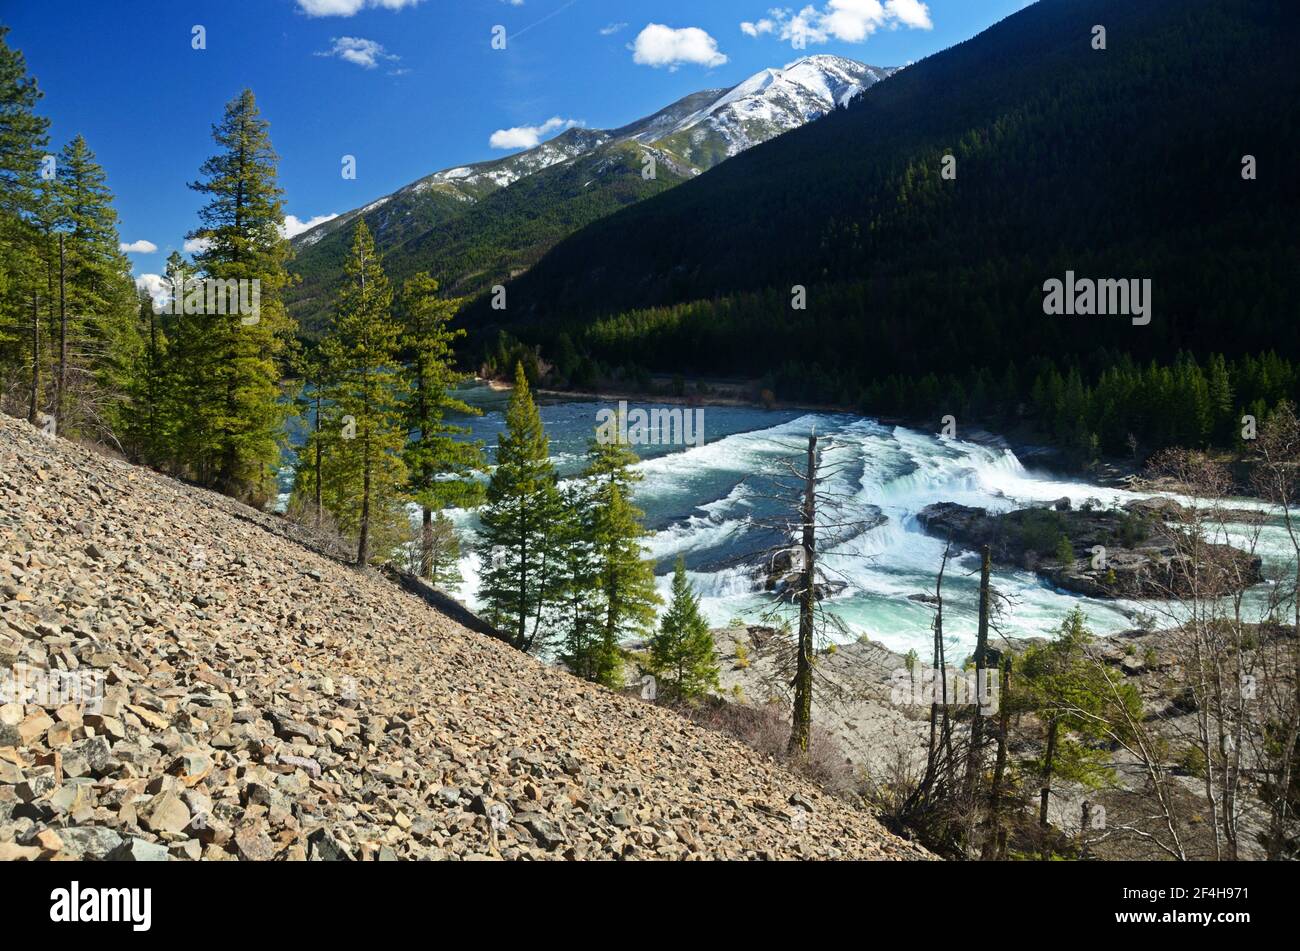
(408, 86)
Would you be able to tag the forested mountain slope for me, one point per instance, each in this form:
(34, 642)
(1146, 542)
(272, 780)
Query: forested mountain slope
(1122, 163)
(476, 225)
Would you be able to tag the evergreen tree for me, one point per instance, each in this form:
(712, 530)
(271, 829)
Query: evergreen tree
(22, 145)
(521, 525)
(1071, 695)
(147, 430)
(96, 333)
(188, 408)
(440, 465)
(440, 550)
(310, 400)
(363, 395)
(625, 583)
(578, 617)
(682, 654)
(235, 381)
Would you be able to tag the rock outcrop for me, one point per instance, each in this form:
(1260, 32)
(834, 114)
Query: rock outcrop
(187, 681)
(1139, 551)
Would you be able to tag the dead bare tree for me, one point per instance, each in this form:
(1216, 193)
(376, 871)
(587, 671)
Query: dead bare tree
(1203, 587)
(810, 517)
(1276, 478)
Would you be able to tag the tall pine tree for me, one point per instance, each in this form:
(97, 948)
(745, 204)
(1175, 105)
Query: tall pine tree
(440, 464)
(625, 581)
(363, 394)
(521, 525)
(236, 378)
(94, 305)
(22, 145)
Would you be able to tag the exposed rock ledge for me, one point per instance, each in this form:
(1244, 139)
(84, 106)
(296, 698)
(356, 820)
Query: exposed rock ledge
(1146, 553)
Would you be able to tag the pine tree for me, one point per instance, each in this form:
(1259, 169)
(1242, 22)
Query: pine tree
(147, 430)
(1070, 694)
(364, 395)
(520, 526)
(236, 380)
(97, 335)
(22, 145)
(433, 453)
(440, 549)
(578, 617)
(625, 582)
(310, 400)
(188, 407)
(682, 654)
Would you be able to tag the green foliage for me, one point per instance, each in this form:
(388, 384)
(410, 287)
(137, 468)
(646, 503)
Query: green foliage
(228, 367)
(363, 388)
(1071, 692)
(1065, 551)
(22, 143)
(682, 654)
(1040, 529)
(578, 617)
(742, 654)
(522, 526)
(624, 588)
(441, 465)
(477, 244)
(925, 295)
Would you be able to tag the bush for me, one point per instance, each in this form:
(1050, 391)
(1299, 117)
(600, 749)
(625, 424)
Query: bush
(767, 730)
(742, 655)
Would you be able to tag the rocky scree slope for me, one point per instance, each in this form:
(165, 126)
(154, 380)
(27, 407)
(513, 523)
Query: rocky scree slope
(261, 701)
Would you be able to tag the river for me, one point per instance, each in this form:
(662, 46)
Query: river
(706, 503)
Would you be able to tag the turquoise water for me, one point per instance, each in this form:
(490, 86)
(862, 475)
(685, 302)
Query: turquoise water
(707, 503)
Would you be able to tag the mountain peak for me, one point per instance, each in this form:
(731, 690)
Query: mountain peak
(770, 102)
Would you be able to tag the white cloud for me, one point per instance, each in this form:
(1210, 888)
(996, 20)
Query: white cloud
(347, 8)
(359, 51)
(612, 29)
(196, 245)
(294, 226)
(529, 136)
(849, 21)
(155, 285)
(138, 247)
(911, 13)
(658, 45)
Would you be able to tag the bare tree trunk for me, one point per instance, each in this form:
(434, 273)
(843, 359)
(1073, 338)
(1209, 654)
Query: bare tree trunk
(1085, 823)
(999, 768)
(426, 545)
(974, 754)
(801, 731)
(319, 506)
(61, 388)
(33, 415)
(1048, 761)
(363, 543)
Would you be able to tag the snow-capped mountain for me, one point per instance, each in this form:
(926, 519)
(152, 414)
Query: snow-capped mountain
(698, 132)
(767, 104)
(478, 224)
